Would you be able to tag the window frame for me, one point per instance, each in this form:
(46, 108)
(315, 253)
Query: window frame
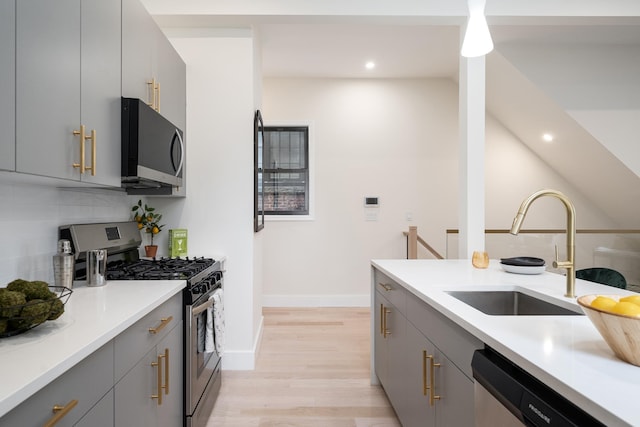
(311, 173)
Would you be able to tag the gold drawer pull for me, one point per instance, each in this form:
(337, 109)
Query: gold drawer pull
(386, 332)
(163, 322)
(92, 168)
(425, 387)
(82, 134)
(432, 396)
(386, 287)
(60, 412)
(166, 371)
(158, 366)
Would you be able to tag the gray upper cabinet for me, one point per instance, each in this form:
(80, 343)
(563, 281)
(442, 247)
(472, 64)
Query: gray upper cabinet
(138, 51)
(100, 86)
(47, 87)
(7, 84)
(152, 70)
(67, 80)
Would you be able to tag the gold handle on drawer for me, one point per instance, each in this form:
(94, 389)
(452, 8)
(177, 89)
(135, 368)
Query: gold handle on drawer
(92, 168)
(166, 371)
(158, 366)
(432, 386)
(386, 286)
(425, 387)
(60, 412)
(163, 322)
(81, 133)
(386, 331)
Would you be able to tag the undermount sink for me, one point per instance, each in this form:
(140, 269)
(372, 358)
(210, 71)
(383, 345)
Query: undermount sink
(511, 303)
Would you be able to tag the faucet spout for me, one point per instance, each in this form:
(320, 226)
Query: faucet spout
(569, 264)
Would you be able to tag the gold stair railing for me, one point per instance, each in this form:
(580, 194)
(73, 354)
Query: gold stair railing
(412, 244)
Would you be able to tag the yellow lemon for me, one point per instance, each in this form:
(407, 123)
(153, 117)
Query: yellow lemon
(140, 226)
(626, 308)
(603, 303)
(155, 230)
(631, 298)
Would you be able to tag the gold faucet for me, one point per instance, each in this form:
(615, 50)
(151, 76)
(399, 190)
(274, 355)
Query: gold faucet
(570, 263)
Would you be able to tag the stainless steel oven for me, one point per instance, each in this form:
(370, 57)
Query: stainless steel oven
(204, 278)
(202, 370)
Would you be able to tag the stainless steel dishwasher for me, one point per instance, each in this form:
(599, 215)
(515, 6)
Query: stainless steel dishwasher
(506, 395)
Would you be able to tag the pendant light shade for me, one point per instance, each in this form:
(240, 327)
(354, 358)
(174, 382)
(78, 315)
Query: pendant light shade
(477, 39)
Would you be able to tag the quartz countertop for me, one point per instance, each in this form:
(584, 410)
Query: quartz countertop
(565, 352)
(93, 316)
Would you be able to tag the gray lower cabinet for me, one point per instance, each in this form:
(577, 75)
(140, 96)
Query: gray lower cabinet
(151, 393)
(119, 384)
(68, 80)
(101, 415)
(7, 84)
(426, 369)
(86, 384)
(148, 369)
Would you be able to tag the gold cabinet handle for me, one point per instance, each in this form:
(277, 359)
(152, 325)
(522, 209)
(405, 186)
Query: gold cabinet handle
(152, 85)
(158, 366)
(158, 97)
(425, 387)
(92, 168)
(60, 412)
(81, 133)
(386, 287)
(166, 371)
(386, 332)
(381, 319)
(163, 323)
(432, 386)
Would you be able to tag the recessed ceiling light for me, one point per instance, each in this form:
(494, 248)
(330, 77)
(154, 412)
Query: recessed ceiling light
(370, 65)
(547, 137)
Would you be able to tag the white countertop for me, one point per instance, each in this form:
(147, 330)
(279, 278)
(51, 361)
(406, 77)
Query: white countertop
(93, 316)
(565, 352)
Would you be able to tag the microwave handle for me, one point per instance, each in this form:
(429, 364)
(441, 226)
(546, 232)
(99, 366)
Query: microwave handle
(177, 134)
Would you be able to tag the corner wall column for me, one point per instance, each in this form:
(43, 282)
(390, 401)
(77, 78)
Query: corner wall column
(472, 140)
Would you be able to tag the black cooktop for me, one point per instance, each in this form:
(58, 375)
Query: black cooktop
(157, 269)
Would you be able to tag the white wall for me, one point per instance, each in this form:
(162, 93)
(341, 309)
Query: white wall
(398, 140)
(218, 209)
(30, 215)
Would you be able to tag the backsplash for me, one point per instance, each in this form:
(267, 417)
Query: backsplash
(29, 220)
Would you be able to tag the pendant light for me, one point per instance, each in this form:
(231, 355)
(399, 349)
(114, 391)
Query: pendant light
(477, 39)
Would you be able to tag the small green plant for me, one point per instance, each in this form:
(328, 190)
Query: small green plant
(147, 218)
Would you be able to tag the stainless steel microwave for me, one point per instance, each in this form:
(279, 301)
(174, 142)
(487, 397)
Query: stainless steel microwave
(153, 151)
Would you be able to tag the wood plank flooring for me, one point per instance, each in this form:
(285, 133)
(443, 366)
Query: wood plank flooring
(312, 370)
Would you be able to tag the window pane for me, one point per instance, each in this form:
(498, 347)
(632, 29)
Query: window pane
(286, 173)
(286, 193)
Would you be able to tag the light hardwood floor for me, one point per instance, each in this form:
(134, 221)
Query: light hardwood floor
(312, 370)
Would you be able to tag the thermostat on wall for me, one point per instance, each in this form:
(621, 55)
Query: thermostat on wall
(370, 202)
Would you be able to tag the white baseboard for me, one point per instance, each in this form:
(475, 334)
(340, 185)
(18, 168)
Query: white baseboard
(243, 360)
(316, 300)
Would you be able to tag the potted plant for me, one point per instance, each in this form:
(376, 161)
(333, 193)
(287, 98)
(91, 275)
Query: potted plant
(149, 220)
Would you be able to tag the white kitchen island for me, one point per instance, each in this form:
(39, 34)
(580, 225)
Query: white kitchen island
(93, 317)
(565, 352)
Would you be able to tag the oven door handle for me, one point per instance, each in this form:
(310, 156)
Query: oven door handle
(202, 307)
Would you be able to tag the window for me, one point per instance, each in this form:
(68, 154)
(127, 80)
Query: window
(285, 165)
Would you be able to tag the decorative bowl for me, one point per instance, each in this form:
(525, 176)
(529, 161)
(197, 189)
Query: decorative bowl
(17, 319)
(620, 332)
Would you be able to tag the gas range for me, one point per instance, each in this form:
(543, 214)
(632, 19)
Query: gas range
(122, 240)
(158, 269)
